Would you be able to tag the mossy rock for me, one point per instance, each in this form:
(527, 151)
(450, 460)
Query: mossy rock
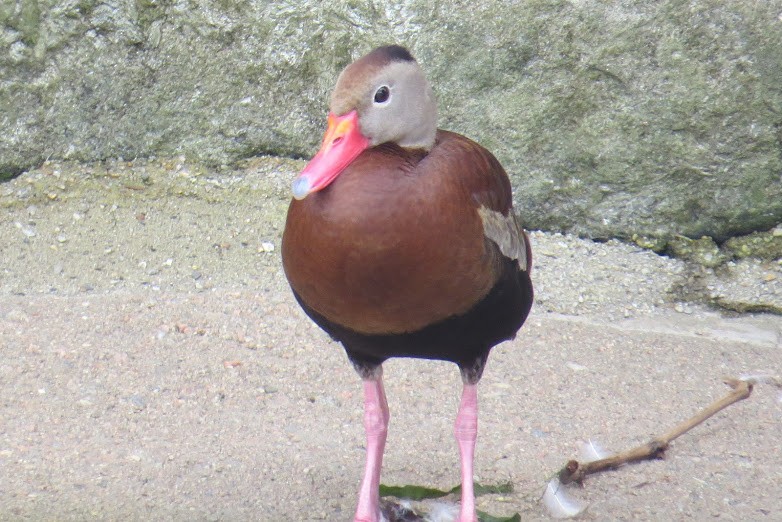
(613, 118)
(762, 245)
(703, 251)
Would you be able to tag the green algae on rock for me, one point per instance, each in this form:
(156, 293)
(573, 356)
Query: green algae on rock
(703, 251)
(763, 245)
(612, 117)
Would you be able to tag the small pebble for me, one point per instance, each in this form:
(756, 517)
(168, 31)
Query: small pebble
(138, 402)
(27, 230)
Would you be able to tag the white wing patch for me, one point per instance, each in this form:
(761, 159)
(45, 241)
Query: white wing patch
(507, 233)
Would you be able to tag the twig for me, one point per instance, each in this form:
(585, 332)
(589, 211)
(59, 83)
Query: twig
(576, 472)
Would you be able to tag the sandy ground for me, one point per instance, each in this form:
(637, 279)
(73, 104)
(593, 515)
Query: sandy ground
(155, 367)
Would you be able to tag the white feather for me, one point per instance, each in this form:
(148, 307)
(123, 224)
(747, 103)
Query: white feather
(557, 502)
(590, 451)
(442, 512)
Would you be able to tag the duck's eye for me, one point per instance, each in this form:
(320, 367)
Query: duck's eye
(382, 94)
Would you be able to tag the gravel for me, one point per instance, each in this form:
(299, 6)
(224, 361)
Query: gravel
(155, 366)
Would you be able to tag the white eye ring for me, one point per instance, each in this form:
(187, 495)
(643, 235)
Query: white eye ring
(382, 95)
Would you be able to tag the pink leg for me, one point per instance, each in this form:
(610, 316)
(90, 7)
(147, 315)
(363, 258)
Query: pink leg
(466, 431)
(376, 426)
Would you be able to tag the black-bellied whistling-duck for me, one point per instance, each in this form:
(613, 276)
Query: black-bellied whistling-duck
(402, 242)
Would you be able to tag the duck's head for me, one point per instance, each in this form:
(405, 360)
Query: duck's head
(381, 97)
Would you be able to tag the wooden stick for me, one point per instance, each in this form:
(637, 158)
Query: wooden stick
(576, 472)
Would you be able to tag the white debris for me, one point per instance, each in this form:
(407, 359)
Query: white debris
(576, 367)
(558, 503)
(590, 451)
(442, 512)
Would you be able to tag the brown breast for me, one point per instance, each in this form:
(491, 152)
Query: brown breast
(396, 242)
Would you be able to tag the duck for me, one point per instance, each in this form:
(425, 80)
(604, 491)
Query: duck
(401, 240)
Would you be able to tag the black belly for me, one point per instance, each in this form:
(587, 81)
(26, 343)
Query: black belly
(463, 339)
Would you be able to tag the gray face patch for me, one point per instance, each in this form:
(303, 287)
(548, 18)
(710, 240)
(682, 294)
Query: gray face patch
(407, 117)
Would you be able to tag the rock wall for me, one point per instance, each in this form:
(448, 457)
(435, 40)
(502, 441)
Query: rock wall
(613, 117)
